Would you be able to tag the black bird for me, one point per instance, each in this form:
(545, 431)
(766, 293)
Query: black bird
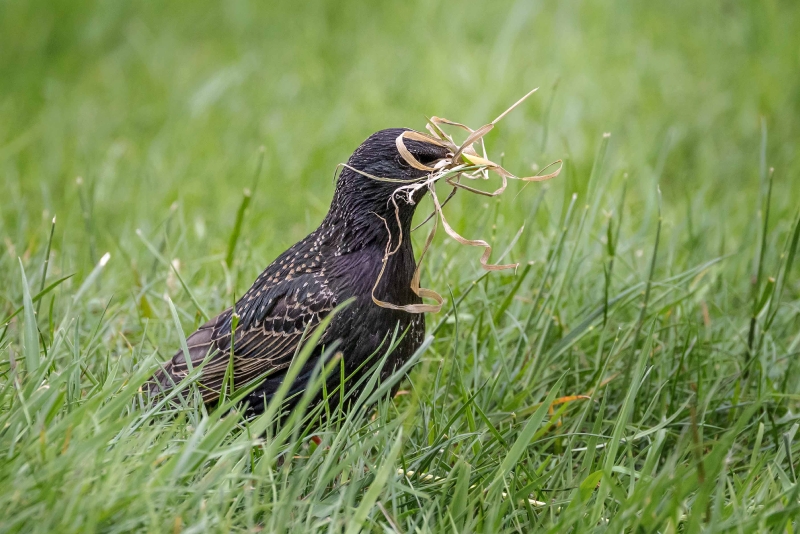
(340, 260)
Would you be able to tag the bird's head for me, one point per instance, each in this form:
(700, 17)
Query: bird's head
(377, 168)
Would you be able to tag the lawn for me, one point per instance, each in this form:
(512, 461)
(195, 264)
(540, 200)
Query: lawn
(638, 372)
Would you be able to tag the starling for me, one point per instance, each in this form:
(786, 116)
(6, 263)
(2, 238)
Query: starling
(339, 261)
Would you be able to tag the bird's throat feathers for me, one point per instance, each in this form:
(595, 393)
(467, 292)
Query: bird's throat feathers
(365, 213)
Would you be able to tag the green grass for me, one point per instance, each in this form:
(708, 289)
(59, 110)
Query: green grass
(664, 282)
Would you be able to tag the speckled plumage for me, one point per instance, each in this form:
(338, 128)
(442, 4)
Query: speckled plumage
(338, 261)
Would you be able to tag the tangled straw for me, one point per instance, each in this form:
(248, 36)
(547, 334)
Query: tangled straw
(462, 162)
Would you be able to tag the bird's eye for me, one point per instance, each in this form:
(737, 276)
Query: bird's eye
(427, 158)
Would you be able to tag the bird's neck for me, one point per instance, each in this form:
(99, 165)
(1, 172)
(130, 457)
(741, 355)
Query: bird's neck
(353, 228)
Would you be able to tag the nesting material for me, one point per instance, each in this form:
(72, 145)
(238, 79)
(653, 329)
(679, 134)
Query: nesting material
(466, 161)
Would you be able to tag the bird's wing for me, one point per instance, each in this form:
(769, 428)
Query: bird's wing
(271, 327)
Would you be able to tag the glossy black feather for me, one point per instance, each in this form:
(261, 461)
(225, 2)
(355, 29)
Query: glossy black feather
(340, 260)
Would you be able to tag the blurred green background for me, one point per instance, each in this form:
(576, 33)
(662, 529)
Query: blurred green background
(154, 103)
(119, 116)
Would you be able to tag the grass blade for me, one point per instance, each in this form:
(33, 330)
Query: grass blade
(247, 195)
(30, 332)
(46, 262)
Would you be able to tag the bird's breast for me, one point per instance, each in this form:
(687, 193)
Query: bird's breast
(357, 274)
